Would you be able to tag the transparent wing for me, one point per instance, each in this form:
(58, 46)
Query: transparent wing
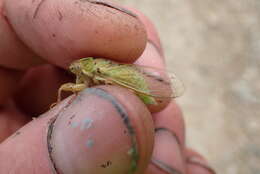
(160, 83)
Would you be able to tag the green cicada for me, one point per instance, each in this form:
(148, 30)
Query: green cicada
(140, 79)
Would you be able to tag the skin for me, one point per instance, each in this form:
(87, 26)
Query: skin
(27, 42)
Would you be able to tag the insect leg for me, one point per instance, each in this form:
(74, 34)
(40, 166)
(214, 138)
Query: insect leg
(104, 80)
(73, 87)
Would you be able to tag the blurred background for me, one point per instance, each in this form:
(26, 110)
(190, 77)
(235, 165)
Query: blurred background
(214, 47)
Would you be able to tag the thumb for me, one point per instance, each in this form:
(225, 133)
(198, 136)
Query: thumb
(95, 132)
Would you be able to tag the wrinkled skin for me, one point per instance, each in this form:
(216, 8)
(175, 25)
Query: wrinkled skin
(39, 39)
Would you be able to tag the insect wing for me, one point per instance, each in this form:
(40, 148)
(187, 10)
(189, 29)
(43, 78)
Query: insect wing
(162, 83)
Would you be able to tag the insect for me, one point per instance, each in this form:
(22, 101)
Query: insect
(146, 82)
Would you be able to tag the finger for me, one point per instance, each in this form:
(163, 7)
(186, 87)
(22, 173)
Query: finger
(35, 96)
(171, 119)
(153, 57)
(14, 56)
(8, 81)
(94, 132)
(38, 89)
(168, 154)
(152, 34)
(63, 30)
(34, 88)
(123, 38)
(153, 54)
(196, 164)
(13, 52)
(11, 119)
(44, 81)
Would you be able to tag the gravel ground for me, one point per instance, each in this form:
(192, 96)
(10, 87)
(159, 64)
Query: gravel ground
(214, 46)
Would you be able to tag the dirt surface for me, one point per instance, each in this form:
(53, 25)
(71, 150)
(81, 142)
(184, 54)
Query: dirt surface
(214, 46)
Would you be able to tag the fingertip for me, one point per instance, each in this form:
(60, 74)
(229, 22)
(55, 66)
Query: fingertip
(77, 29)
(153, 57)
(197, 164)
(152, 62)
(153, 54)
(96, 131)
(168, 155)
(110, 133)
(152, 34)
(171, 119)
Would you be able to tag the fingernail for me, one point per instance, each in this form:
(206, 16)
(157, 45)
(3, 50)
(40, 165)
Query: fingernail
(195, 160)
(156, 46)
(151, 57)
(93, 135)
(167, 154)
(110, 5)
(169, 131)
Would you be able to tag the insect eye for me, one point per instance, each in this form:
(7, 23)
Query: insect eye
(71, 68)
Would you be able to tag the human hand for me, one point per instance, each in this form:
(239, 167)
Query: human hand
(99, 130)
